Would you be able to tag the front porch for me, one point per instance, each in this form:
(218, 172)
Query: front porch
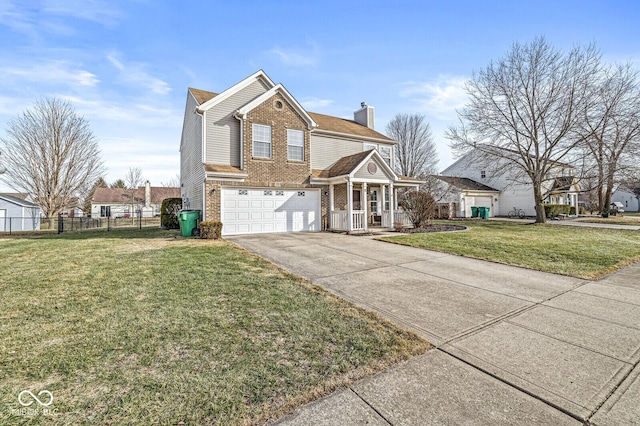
(357, 206)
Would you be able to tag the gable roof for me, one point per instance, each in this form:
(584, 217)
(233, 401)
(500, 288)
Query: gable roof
(321, 122)
(351, 163)
(123, 196)
(202, 96)
(562, 184)
(17, 200)
(349, 127)
(279, 88)
(214, 100)
(466, 184)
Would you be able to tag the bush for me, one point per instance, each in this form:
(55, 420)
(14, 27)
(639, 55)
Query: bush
(581, 210)
(210, 230)
(420, 207)
(553, 210)
(169, 213)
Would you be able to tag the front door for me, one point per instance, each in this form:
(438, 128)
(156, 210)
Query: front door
(376, 205)
(356, 199)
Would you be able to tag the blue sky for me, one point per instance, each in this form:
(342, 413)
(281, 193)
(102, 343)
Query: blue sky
(126, 65)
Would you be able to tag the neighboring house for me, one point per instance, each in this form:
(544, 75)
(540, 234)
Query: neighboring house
(473, 183)
(630, 199)
(117, 202)
(18, 214)
(253, 158)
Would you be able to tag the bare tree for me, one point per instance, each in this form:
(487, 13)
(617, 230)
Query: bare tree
(524, 111)
(88, 197)
(50, 153)
(174, 182)
(133, 179)
(415, 151)
(611, 130)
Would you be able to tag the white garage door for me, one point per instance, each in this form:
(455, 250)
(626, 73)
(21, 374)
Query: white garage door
(3, 214)
(256, 210)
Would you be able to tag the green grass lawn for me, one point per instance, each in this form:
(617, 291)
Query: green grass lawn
(138, 327)
(613, 220)
(576, 251)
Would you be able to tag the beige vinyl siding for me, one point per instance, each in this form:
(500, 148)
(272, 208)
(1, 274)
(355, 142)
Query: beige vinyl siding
(326, 150)
(363, 172)
(223, 129)
(191, 169)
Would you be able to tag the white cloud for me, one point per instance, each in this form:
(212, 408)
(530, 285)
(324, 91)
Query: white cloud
(440, 97)
(296, 57)
(135, 74)
(312, 102)
(59, 72)
(102, 12)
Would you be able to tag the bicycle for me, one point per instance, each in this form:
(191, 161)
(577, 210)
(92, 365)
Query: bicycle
(516, 212)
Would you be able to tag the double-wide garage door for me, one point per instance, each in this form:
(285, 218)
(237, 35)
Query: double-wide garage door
(257, 210)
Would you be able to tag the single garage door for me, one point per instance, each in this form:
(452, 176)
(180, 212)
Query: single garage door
(257, 210)
(482, 202)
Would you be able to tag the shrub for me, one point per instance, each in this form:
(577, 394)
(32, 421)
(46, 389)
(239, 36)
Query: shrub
(420, 207)
(581, 210)
(210, 229)
(169, 213)
(553, 210)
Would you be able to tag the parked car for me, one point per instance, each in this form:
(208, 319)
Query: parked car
(616, 209)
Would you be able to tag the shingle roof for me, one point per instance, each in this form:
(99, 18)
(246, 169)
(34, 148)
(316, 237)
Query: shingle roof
(122, 196)
(562, 183)
(466, 183)
(20, 195)
(342, 125)
(345, 165)
(325, 122)
(202, 96)
(221, 168)
(19, 201)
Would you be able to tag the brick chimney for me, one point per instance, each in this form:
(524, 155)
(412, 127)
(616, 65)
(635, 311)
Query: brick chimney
(365, 115)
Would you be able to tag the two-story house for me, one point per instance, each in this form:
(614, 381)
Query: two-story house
(253, 158)
(475, 182)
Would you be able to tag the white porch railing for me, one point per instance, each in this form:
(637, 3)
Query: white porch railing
(399, 216)
(340, 222)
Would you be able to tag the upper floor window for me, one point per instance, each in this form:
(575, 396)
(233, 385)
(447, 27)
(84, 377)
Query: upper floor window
(261, 141)
(483, 174)
(385, 153)
(295, 145)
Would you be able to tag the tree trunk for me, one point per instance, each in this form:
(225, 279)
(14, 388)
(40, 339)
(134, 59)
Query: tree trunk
(537, 195)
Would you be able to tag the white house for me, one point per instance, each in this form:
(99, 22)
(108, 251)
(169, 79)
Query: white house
(630, 199)
(474, 183)
(253, 158)
(18, 214)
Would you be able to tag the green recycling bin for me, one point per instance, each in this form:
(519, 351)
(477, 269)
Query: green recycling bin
(483, 212)
(474, 211)
(188, 220)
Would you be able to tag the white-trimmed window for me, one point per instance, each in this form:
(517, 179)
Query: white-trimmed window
(295, 145)
(385, 153)
(261, 141)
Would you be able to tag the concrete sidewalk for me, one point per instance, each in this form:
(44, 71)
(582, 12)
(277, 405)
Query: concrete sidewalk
(573, 222)
(513, 346)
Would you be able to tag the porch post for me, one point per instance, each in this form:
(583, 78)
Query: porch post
(330, 206)
(392, 200)
(382, 200)
(349, 206)
(364, 208)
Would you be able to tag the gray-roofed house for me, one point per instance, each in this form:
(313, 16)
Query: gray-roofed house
(253, 158)
(18, 214)
(117, 202)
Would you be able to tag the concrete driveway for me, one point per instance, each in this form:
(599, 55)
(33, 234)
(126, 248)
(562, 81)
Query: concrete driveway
(513, 346)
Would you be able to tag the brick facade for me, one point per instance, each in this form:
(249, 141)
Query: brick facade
(277, 171)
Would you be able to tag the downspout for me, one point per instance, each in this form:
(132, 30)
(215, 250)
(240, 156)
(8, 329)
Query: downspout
(240, 118)
(204, 133)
